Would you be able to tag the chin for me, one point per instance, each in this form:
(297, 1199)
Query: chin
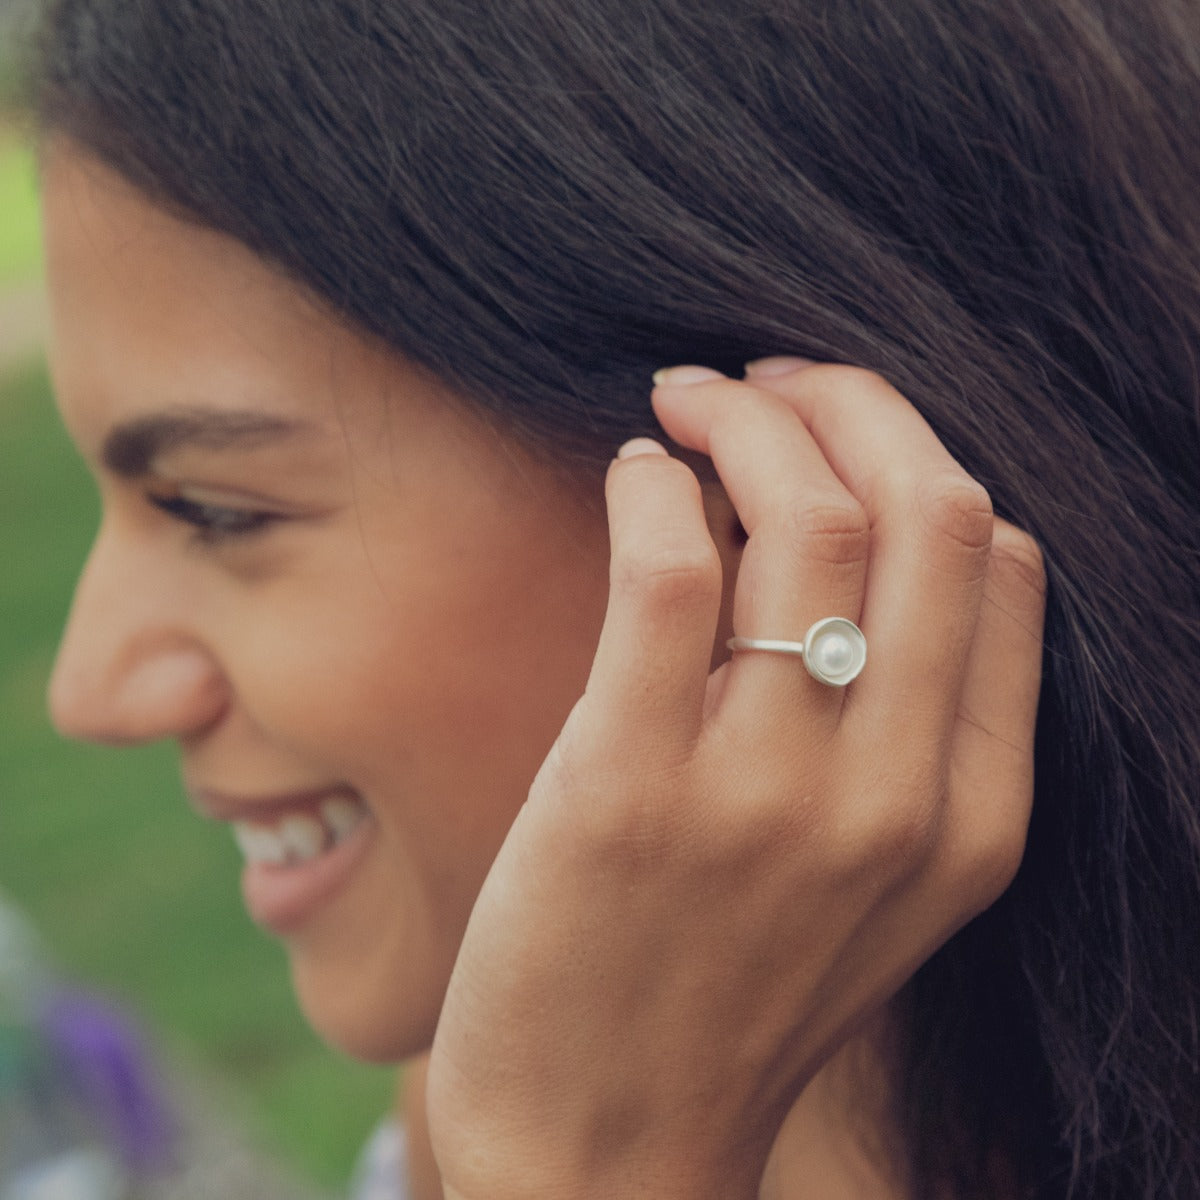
(381, 1025)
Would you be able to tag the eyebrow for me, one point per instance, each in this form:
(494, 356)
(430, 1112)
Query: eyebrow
(131, 448)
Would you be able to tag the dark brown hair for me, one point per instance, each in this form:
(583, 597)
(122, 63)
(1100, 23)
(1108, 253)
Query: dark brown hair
(995, 205)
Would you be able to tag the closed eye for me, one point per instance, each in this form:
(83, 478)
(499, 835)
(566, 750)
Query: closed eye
(214, 522)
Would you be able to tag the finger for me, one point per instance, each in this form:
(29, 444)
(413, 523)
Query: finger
(652, 661)
(991, 774)
(932, 533)
(1004, 669)
(808, 539)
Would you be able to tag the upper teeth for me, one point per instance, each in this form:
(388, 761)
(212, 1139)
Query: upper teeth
(301, 836)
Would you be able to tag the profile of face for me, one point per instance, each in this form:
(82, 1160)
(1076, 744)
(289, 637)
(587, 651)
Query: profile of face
(361, 613)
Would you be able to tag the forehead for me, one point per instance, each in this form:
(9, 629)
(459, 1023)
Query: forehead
(152, 315)
(148, 310)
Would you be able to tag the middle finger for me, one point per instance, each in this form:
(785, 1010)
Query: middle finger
(808, 537)
(933, 531)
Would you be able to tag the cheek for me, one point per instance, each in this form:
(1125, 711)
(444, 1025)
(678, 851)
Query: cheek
(453, 673)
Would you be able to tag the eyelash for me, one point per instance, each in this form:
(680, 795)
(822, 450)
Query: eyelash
(214, 523)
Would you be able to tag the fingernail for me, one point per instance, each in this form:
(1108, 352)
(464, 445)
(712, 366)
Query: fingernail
(682, 376)
(641, 445)
(767, 368)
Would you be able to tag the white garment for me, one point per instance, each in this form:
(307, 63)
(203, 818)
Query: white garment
(382, 1171)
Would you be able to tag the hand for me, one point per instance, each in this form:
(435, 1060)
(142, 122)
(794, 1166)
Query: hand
(717, 878)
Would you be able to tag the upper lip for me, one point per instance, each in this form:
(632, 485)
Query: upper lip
(229, 806)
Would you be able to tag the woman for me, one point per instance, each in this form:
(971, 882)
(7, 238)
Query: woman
(354, 305)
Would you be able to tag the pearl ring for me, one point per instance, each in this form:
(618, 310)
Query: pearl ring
(834, 650)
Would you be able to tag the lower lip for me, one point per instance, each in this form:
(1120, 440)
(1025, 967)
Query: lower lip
(283, 898)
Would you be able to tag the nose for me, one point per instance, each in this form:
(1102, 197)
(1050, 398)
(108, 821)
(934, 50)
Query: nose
(130, 667)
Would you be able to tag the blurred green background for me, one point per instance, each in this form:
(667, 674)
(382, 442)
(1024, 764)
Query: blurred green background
(134, 895)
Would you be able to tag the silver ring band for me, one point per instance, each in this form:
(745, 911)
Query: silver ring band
(834, 650)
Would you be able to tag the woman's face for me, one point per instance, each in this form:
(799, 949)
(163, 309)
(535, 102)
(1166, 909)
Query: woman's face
(362, 615)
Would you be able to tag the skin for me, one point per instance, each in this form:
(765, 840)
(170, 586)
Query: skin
(564, 794)
(383, 636)
(857, 829)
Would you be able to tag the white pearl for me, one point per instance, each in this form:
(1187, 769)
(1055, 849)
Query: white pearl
(833, 654)
(835, 651)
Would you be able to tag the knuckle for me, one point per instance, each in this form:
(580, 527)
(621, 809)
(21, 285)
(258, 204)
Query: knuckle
(993, 863)
(589, 788)
(1018, 561)
(957, 508)
(667, 574)
(893, 836)
(738, 407)
(910, 835)
(630, 829)
(847, 376)
(836, 532)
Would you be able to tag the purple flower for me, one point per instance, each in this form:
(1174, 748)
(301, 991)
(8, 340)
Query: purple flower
(108, 1064)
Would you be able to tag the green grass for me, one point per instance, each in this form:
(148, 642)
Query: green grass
(133, 893)
(20, 242)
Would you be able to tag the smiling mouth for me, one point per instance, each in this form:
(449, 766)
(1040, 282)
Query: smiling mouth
(297, 838)
(301, 850)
